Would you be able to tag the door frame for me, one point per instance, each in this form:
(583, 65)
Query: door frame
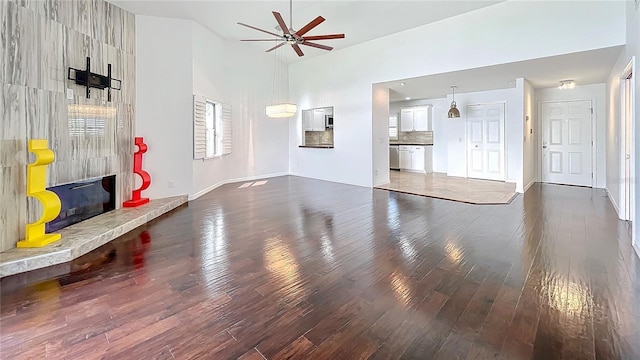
(624, 213)
(504, 142)
(594, 159)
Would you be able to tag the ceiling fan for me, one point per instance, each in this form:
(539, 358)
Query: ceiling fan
(293, 37)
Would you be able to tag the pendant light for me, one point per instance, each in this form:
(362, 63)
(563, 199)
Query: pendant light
(279, 108)
(453, 112)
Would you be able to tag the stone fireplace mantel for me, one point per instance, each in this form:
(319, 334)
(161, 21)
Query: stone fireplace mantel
(80, 238)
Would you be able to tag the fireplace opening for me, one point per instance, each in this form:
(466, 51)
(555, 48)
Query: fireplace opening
(83, 200)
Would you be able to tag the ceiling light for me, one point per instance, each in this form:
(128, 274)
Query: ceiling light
(279, 108)
(403, 84)
(407, 98)
(566, 84)
(453, 111)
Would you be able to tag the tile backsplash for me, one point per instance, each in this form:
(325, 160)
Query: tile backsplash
(318, 137)
(417, 137)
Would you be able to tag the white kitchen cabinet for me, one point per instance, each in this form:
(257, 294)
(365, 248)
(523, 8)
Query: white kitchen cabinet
(405, 157)
(422, 119)
(416, 158)
(307, 120)
(416, 119)
(406, 120)
(318, 123)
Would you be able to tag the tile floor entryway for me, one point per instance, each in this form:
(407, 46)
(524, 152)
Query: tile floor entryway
(441, 186)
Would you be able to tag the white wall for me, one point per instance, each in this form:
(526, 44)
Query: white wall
(164, 102)
(242, 77)
(381, 114)
(179, 58)
(455, 131)
(597, 94)
(470, 40)
(632, 49)
(530, 136)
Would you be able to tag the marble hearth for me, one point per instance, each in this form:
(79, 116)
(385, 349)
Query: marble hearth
(80, 238)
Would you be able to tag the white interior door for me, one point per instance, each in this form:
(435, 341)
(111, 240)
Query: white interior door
(566, 143)
(485, 141)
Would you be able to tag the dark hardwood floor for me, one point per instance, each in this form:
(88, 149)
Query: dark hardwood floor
(306, 269)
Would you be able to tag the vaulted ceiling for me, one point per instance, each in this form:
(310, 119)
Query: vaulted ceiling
(361, 21)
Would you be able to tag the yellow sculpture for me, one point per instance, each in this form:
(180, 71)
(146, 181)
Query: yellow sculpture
(36, 187)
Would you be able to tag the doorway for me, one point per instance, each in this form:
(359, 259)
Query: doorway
(567, 143)
(485, 141)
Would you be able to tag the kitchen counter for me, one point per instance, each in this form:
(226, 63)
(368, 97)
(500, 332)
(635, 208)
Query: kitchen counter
(317, 146)
(410, 144)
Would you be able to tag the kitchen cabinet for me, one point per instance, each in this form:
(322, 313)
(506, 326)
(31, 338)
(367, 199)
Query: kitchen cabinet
(318, 120)
(416, 158)
(416, 119)
(405, 157)
(307, 120)
(314, 120)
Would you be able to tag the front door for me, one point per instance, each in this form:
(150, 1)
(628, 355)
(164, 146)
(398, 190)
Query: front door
(485, 141)
(566, 143)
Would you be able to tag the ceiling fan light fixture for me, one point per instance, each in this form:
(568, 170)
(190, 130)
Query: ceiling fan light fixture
(292, 37)
(453, 111)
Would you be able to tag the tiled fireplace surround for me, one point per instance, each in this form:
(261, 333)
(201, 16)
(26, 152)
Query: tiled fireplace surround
(92, 137)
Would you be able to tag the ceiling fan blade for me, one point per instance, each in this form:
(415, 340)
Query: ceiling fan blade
(323, 47)
(264, 31)
(277, 46)
(281, 22)
(261, 40)
(315, 22)
(325, 37)
(297, 49)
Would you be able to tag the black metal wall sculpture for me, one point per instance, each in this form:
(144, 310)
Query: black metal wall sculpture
(93, 80)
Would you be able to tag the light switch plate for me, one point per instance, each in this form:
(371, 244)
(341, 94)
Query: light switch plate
(69, 94)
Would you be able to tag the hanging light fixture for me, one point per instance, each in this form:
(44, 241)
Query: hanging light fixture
(279, 108)
(453, 112)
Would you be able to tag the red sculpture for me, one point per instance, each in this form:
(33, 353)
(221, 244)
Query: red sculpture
(136, 200)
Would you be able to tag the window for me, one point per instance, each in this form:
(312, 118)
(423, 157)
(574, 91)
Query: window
(212, 124)
(211, 128)
(393, 127)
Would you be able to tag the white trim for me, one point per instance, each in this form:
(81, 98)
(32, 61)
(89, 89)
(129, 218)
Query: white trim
(625, 213)
(529, 185)
(229, 181)
(636, 247)
(613, 202)
(333, 181)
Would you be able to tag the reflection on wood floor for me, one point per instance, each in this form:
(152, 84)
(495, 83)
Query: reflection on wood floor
(441, 186)
(306, 269)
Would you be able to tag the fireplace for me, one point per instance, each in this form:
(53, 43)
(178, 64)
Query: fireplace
(83, 200)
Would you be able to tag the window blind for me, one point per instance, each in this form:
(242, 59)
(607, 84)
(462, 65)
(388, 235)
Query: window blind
(226, 129)
(199, 127)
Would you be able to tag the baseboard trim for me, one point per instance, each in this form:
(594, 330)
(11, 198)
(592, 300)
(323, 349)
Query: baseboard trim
(229, 181)
(529, 185)
(333, 181)
(613, 202)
